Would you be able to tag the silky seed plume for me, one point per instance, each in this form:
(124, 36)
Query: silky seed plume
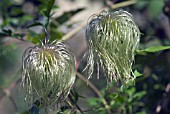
(112, 38)
(48, 73)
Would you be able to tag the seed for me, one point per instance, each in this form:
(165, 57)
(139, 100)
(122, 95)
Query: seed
(112, 38)
(48, 73)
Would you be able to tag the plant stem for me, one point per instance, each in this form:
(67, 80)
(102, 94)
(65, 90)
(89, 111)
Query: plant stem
(95, 90)
(130, 110)
(124, 110)
(7, 92)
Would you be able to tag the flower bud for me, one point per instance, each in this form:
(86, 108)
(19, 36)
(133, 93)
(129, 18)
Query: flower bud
(112, 38)
(48, 73)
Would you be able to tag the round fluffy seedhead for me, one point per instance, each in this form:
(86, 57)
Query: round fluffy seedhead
(112, 38)
(48, 73)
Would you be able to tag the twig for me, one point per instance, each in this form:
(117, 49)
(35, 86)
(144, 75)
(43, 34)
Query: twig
(95, 90)
(80, 27)
(7, 92)
(71, 99)
(13, 102)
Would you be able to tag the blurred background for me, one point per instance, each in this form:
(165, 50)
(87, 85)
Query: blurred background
(19, 20)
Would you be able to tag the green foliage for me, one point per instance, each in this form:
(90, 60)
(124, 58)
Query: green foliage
(35, 38)
(51, 24)
(151, 68)
(127, 101)
(49, 7)
(154, 6)
(152, 49)
(9, 32)
(137, 74)
(13, 15)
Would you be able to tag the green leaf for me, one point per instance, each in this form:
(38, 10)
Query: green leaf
(113, 95)
(67, 15)
(46, 7)
(94, 101)
(130, 91)
(35, 38)
(155, 7)
(49, 7)
(18, 35)
(56, 35)
(137, 74)
(120, 99)
(141, 112)
(156, 48)
(140, 52)
(43, 11)
(139, 95)
(5, 32)
(152, 50)
(8, 32)
(35, 24)
(16, 11)
(55, 7)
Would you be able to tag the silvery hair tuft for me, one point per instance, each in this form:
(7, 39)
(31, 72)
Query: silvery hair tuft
(48, 73)
(112, 38)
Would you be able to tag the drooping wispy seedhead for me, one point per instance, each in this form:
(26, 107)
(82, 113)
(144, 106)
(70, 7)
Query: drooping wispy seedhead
(48, 73)
(112, 38)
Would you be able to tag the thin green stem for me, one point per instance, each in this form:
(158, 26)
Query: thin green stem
(130, 109)
(124, 110)
(47, 36)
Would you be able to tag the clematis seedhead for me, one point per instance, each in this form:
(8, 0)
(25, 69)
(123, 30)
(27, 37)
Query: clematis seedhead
(48, 73)
(112, 38)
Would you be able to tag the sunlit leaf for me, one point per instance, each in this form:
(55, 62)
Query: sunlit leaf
(94, 101)
(130, 91)
(139, 95)
(156, 48)
(137, 74)
(55, 35)
(152, 49)
(35, 38)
